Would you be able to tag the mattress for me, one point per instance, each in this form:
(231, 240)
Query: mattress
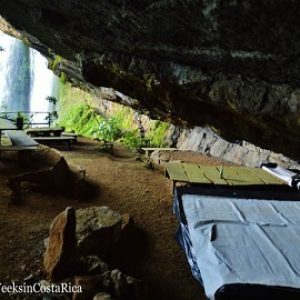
(240, 243)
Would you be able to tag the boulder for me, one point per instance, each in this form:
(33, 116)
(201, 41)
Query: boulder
(61, 256)
(97, 230)
(51, 171)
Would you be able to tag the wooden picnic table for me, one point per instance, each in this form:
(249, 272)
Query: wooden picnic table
(5, 140)
(219, 175)
(6, 125)
(18, 141)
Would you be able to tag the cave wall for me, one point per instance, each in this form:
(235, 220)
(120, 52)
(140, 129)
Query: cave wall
(229, 64)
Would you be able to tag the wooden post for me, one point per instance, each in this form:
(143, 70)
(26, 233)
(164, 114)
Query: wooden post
(49, 119)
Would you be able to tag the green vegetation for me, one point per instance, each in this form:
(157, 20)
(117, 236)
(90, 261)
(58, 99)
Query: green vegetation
(157, 133)
(55, 62)
(79, 112)
(63, 77)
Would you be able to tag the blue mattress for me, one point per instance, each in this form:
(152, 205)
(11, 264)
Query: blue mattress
(239, 241)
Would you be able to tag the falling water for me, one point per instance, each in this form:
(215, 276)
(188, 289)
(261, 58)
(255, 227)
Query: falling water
(25, 80)
(14, 75)
(42, 85)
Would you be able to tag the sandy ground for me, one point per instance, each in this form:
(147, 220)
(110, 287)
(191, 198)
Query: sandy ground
(123, 184)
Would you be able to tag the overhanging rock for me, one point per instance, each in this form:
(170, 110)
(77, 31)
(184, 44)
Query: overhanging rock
(233, 65)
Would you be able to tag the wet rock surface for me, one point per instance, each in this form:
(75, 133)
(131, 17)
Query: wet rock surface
(230, 64)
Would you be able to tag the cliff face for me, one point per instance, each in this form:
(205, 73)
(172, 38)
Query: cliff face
(231, 64)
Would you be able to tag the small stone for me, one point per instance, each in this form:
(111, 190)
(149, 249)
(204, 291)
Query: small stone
(30, 279)
(127, 221)
(93, 265)
(115, 280)
(61, 259)
(102, 296)
(90, 286)
(46, 241)
(136, 289)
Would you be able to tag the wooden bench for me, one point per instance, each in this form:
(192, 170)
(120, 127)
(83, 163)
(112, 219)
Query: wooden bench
(17, 148)
(148, 151)
(70, 134)
(24, 153)
(44, 131)
(19, 142)
(19, 138)
(55, 139)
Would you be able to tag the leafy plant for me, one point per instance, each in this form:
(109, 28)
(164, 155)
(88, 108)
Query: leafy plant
(109, 129)
(55, 62)
(52, 100)
(53, 115)
(132, 139)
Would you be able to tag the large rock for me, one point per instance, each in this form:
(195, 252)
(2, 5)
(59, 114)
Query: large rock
(61, 256)
(51, 172)
(230, 64)
(97, 230)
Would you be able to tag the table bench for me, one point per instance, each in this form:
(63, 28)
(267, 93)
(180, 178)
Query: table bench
(70, 134)
(44, 131)
(19, 142)
(55, 139)
(6, 125)
(148, 151)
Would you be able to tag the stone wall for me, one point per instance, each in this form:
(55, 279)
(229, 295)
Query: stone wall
(204, 140)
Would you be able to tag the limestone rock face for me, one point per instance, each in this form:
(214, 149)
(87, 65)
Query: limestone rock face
(61, 259)
(233, 65)
(97, 230)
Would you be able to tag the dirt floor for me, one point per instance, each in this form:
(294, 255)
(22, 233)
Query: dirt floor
(125, 185)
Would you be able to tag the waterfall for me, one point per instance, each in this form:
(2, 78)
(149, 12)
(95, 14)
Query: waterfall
(14, 76)
(42, 85)
(25, 80)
